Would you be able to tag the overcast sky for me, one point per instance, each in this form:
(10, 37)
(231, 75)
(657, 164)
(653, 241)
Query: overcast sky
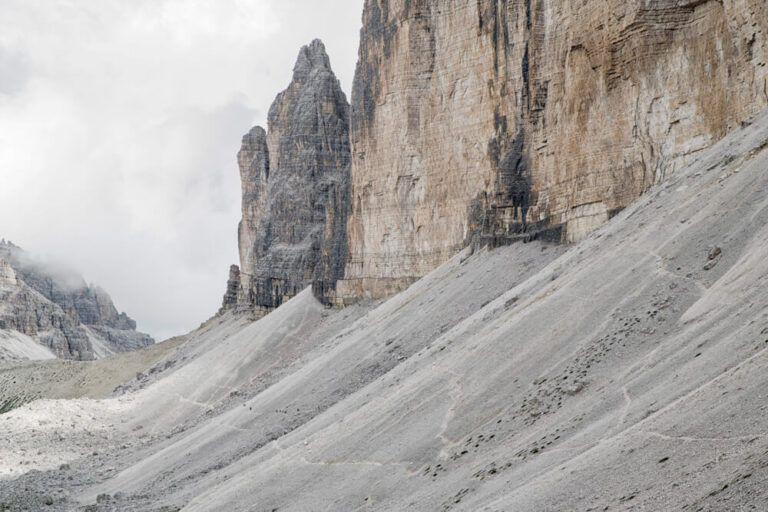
(120, 121)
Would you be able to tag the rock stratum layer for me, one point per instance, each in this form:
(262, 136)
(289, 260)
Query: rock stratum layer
(497, 120)
(295, 181)
(57, 309)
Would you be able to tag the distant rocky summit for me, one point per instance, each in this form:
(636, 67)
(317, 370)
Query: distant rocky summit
(57, 309)
(295, 181)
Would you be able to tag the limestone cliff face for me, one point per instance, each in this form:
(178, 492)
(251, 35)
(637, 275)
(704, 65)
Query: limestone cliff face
(295, 184)
(496, 120)
(61, 311)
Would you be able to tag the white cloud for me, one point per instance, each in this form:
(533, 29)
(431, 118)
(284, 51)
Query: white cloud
(119, 126)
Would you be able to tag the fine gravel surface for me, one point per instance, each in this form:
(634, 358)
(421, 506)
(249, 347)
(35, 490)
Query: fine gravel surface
(626, 372)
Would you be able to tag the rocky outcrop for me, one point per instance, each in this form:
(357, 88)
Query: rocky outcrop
(233, 289)
(295, 184)
(500, 120)
(60, 310)
(7, 275)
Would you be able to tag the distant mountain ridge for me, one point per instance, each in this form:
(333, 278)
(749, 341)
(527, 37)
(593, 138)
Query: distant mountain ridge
(56, 308)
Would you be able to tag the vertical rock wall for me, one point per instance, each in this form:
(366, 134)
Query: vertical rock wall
(497, 120)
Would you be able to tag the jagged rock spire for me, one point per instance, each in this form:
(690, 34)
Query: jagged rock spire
(311, 57)
(295, 186)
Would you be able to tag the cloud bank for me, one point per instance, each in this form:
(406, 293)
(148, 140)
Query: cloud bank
(119, 127)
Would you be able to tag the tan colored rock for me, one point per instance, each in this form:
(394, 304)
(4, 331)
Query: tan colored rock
(500, 120)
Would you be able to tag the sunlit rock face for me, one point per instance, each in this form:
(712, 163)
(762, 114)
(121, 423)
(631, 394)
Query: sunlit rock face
(497, 120)
(295, 184)
(59, 310)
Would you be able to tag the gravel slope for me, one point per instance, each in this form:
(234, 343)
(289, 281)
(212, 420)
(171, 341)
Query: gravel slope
(626, 373)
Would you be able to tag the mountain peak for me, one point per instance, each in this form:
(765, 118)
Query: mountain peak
(311, 57)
